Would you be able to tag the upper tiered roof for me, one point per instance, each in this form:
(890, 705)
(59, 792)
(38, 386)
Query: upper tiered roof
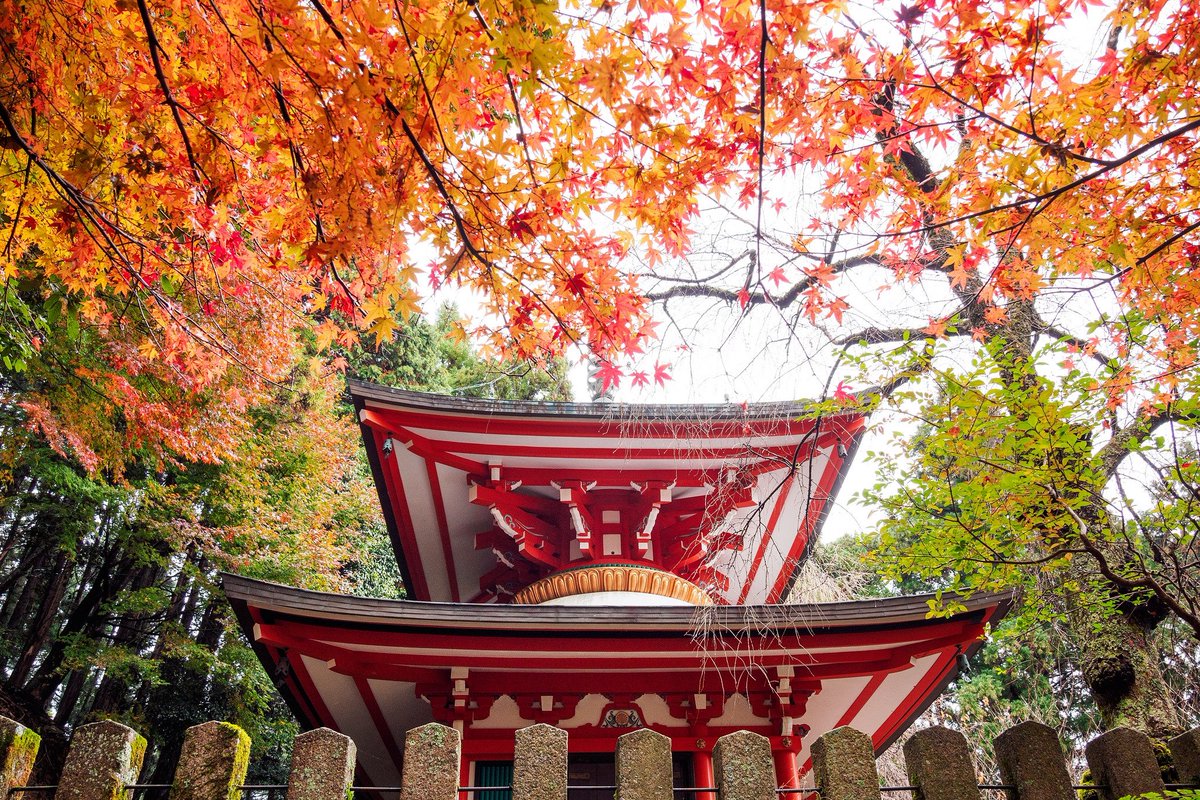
(484, 497)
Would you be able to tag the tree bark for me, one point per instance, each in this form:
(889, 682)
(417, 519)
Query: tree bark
(39, 629)
(1120, 664)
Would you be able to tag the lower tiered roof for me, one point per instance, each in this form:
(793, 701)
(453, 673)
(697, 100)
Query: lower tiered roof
(372, 669)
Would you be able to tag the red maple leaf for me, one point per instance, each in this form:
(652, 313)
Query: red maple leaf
(661, 376)
(518, 223)
(578, 284)
(910, 14)
(640, 378)
(610, 375)
(777, 275)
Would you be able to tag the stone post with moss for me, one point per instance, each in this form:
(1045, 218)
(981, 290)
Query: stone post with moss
(103, 759)
(644, 766)
(940, 766)
(432, 755)
(1123, 763)
(540, 764)
(1185, 752)
(1031, 758)
(212, 764)
(18, 749)
(743, 767)
(844, 765)
(322, 766)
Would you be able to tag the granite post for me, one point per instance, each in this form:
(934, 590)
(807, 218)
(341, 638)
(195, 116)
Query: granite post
(743, 767)
(212, 764)
(644, 766)
(844, 765)
(322, 766)
(1185, 752)
(18, 749)
(432, 754)
(1031, 758)
(104, 757)
(1123, 763)
(940, 766)
(540, 764)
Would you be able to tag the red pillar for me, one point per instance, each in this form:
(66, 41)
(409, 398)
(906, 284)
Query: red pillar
(702, 769)
(464, 776)
(785, 769)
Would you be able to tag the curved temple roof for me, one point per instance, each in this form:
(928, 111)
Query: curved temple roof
(374, 668)
(483, 497)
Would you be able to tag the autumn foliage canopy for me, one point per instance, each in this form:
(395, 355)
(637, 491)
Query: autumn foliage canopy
(193, 187)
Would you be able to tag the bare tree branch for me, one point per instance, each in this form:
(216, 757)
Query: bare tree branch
(697, 288)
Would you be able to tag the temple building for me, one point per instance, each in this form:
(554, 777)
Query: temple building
(602, 568)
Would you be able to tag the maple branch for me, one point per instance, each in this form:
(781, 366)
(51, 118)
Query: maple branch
(100, 225)
(1170, 241)
(1053, 148)
(695, 288)
(1050, 195)
(325, 15)
(412, 52)
(461, 227)
(764, 40)
(918, 366)
(172, 103)
(633, 137)
(873, 335)
(12, 231)
(914, 162)
(1145, 582)
(459, 223)
(72, 195)
(1126, 439)
(710, 278)
(1084, 346)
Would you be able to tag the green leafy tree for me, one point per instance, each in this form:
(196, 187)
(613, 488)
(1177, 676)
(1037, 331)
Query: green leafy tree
(110, 604)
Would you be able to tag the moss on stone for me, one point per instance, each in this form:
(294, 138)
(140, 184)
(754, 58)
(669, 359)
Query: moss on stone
(18, 750)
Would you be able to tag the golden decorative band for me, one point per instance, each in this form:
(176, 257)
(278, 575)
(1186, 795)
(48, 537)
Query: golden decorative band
(612, 578)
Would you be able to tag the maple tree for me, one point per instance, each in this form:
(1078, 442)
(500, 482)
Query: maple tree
(191, 186)
(187, 187)
(1045, 201)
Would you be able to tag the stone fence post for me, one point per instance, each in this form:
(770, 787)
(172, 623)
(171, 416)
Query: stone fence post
(644, 766)
(18, 749)
(540, 764)
(1123, 763)
(102, 760)
(322, 766)
(743, 767)
(844, 765)
(212, 764)
(432, 754)
(1185, 751)
(1031, 758)
(940, 766)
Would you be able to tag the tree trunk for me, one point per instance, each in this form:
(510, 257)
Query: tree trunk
(39, 629)
(1120, 664)
(70, 697)
(111, 579)
(30, 594)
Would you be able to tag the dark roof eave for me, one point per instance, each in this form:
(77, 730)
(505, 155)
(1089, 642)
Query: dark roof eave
(635, 619)
(361, 392)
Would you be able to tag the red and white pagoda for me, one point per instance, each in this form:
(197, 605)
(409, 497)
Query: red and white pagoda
(602, 568)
